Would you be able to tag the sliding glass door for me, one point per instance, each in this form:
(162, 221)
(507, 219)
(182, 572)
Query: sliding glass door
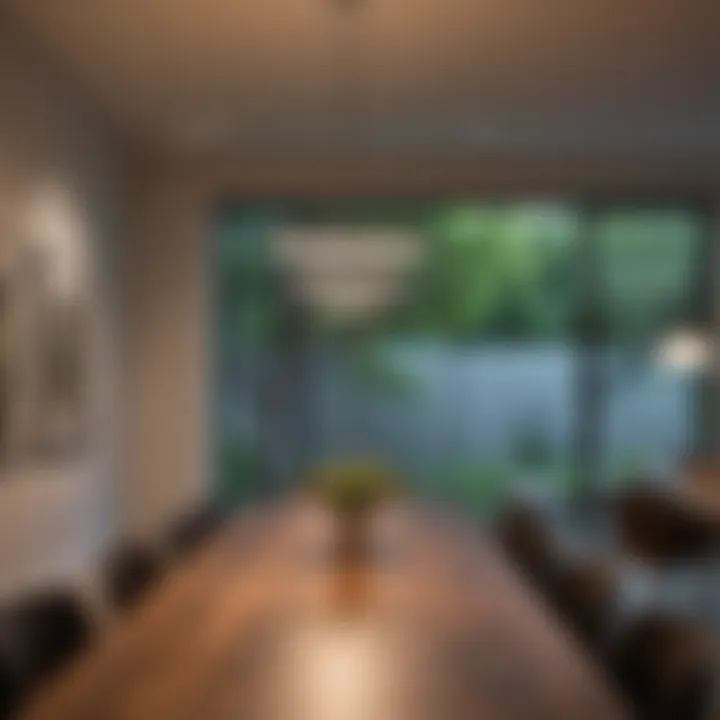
(651, 263)
(524, 351)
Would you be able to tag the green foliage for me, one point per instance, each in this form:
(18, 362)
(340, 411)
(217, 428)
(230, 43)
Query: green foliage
(476, 487)
(238, 471)
(247, 281)
(354, 485)
(630, 465)
(647, 261)
(494, 271)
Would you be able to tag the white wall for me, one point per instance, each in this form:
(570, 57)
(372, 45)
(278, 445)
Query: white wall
(59, 186)
(164, 353)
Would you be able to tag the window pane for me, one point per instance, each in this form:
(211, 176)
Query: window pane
(649, 261)
(466, 386)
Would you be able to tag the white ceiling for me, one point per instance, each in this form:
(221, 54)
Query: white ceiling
(445, 75)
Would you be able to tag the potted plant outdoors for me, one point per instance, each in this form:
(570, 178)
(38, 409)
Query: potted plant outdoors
(353, 491)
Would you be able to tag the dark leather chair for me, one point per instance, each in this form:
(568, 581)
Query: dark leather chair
(654, 527)
(526, 540)
(194, 529)
(584, 593)
(130, 573)
(50, 629)
(11, 687)
(665, 667)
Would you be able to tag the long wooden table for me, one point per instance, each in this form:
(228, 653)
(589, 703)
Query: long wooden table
(262, 626)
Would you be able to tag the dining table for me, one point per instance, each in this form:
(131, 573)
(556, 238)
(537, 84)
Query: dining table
(265, 622)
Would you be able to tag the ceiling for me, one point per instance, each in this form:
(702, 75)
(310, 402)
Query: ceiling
(444, 75)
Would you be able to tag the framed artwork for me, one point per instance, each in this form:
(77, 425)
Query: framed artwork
(43, 364)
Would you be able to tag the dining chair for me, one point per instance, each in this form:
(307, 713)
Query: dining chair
(130, 572)
(194, 529)
(654, 527)
(665, 665)
(11, 687)
(528, 542)
(584, 594)
(51, 628)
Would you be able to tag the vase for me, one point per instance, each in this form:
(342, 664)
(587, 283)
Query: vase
(352, 541)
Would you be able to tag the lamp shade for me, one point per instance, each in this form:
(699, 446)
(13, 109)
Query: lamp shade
(347, 272)
(686, 349)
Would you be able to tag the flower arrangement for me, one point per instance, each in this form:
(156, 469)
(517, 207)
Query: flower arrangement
(354, 487)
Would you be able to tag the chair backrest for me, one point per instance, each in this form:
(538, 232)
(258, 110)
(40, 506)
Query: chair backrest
(665, 667)
(11, 687)
(51, 628)
(528, 542)
(194, 529)
(654, 526)
(129, 573)
(584, 593)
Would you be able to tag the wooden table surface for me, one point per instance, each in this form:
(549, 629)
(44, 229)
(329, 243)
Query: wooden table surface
(260, 626)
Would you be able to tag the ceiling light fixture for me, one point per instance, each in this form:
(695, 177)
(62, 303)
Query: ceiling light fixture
(347, 272)
(686, 349)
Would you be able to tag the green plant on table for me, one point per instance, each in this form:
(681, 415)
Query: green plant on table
(356, 486)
